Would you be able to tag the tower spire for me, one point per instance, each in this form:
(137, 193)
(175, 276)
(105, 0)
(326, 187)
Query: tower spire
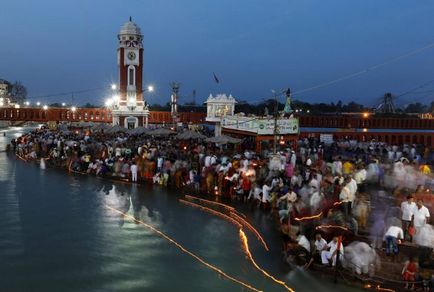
(131, 19)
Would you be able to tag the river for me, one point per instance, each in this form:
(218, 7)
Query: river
(57, 234)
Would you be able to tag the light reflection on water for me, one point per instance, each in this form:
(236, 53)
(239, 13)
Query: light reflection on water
(57, 234)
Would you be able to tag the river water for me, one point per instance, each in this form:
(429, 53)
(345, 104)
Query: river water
(57, 234)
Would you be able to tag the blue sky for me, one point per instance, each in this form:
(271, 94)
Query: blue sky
(253, 46)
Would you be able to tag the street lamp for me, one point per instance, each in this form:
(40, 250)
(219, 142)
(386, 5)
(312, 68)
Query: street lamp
(108, 102)
(73, 109)
(114, 86)
(150, 88)
(63, 104)
(27, 103)
(45, 107)
(38, 103)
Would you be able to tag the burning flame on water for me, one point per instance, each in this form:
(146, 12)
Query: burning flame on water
(332, 226)
(251, 228)
(184, 250)
(309, 217)
(209, 210)
(245, 242)
(233, 215)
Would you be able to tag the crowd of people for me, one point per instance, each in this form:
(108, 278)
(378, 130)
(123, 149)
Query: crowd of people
(342, 191)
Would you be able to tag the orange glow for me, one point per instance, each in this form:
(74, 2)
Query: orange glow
(378, 288)
(245, 242)
(209, 210)
(251, 228)
(337, 203)
(365, 115)
(234, 215)
(331, 226)
(309, 217)
(184, 250)
(230, 208)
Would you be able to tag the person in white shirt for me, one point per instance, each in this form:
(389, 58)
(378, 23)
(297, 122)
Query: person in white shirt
(302, 241)
(360, 176)
(255, 192)
(407, 209)
(290, 198)
(207, 161)
(346, 199)
(133, 170)
(421, 216)
(392, 235)
(319, 245)
(327, 255)
(266, 195)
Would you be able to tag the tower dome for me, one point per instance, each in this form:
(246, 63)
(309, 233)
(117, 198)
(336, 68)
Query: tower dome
(130, 28)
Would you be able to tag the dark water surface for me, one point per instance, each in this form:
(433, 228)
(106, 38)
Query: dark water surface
(56, 234)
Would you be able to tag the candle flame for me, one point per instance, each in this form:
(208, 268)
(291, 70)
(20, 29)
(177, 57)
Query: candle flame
(309, 217)
(245, 242)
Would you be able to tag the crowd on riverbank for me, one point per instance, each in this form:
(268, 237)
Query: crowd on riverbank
(316, 191)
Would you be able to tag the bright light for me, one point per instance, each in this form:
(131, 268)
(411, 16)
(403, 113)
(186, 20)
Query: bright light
(131, 99)
(73, 109)
(115, 98)
(150, 88)
(63, 104)
(27, 103)
(17, 106)
(45, 107)
(38, 103)
(365, 130)
(308, 111)
(108, 102)
(114, 86)
(365, 115)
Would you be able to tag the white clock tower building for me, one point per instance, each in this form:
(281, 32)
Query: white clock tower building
(129, 109)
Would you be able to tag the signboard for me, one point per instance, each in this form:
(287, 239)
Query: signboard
(326, 138)
(261, 126)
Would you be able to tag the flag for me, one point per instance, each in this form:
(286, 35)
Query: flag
(215, 78)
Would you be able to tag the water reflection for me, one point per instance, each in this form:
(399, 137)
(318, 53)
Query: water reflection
(126, 198)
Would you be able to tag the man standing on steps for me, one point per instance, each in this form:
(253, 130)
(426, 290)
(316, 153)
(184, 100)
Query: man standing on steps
(133, 170)
(407, 209)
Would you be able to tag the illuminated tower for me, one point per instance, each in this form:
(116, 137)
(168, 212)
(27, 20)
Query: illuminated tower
(129, 108)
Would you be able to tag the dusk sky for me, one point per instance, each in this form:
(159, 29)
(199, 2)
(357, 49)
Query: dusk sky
(253, 46)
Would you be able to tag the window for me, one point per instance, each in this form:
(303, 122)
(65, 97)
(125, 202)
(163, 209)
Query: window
(131, 75)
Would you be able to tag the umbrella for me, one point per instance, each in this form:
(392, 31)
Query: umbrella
(138, 131)
(115, 129)
(100, 126)
(187, 135)
(161, 132)
(223, 139)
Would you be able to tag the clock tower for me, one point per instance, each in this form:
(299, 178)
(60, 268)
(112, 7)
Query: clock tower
(129, 109)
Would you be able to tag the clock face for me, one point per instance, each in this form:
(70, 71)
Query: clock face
(131, 56)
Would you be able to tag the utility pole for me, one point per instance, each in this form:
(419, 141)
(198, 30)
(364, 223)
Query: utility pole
(275, 132)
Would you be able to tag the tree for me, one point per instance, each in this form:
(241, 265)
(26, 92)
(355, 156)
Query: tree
(416, 108)
(18, 92)
(431, 108)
